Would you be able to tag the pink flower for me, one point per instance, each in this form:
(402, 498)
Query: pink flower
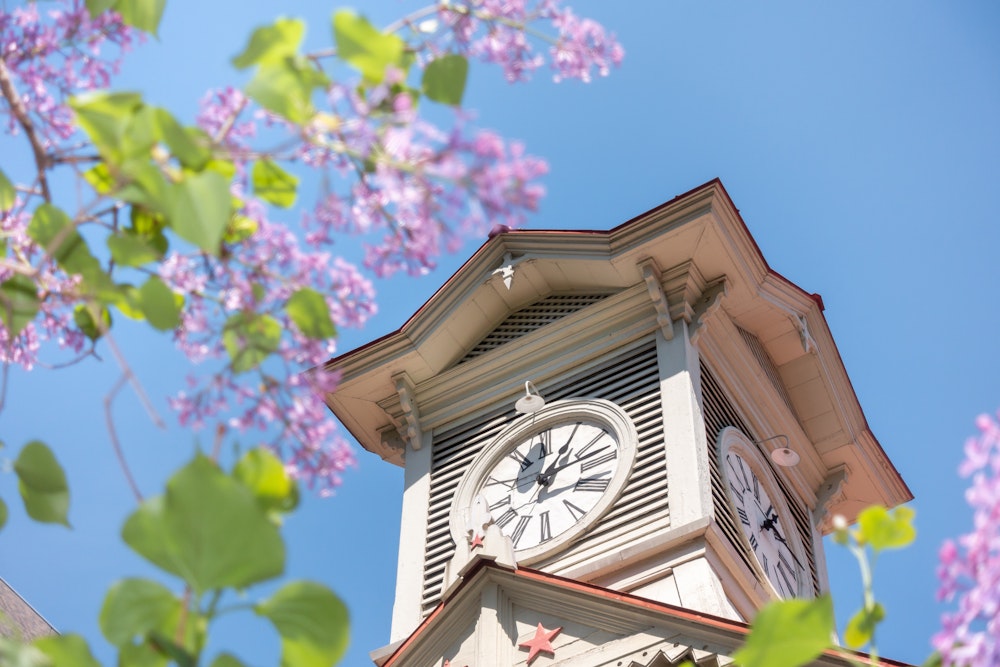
(969, 571)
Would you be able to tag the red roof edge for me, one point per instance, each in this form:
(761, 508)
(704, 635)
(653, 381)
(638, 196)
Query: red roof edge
(717, 622)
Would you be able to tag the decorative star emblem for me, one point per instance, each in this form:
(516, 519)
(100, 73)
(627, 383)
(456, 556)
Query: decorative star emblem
(476, 541)
(542, 641)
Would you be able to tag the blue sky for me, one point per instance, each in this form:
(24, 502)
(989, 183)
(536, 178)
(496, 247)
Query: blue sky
(860, 142)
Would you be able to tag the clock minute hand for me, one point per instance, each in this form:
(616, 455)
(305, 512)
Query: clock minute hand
(556, 468)
(788, 548)
(545, 478)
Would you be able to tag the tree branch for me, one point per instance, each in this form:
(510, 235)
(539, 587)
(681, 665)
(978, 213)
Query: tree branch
(24, 120)
(119, 453)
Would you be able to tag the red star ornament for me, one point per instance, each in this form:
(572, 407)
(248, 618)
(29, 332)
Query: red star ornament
(477, 541)
(542, 641)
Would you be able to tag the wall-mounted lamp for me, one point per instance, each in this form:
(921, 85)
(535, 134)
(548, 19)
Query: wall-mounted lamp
(782, 456)
(531, 402)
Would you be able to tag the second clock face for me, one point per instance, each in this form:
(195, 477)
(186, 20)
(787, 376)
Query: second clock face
(548, 483)
(767, 527)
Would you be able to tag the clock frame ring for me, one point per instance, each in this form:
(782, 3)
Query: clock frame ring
(595, 415)
(775, 545)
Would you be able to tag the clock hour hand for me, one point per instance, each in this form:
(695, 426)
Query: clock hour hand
(545, 478)
(788, 548)
(554, 468)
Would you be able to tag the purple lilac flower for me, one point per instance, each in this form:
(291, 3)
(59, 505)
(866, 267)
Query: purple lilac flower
(969, 568)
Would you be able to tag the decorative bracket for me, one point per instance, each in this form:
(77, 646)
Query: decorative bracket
(831, 492)
(651, 274)
(706, 306)
(393, 448)
(808, 344)
(405, 391)
(801, 325)
(506, 268)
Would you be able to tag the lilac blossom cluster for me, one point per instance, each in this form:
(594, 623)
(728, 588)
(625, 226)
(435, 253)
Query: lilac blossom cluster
(500, 31)
(276, 399)
(420, 188)
(969, 569)
(409, 189)
(55, 51)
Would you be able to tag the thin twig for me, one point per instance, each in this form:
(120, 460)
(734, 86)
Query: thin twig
(133, 380)
(220, 432)
(24, 120)
(115, 443)
(3, 381)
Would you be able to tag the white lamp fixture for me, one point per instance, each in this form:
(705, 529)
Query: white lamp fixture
(782, 456)
(531, 402)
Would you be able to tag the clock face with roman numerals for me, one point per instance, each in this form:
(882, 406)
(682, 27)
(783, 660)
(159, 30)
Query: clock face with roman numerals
(550, 481)
(767, 524)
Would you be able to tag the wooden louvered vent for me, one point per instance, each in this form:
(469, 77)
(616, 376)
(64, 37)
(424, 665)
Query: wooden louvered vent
(720, 413)
(764, 359)
(528, 319)
(631, 380)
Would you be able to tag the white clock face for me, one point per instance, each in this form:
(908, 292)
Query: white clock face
(768, 528)
(549, 482)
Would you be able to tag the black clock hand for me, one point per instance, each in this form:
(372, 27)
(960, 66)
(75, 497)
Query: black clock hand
(788, 548)
(554, 468)
(545, 478)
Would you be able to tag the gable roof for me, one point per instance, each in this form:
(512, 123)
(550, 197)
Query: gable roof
(700, 633)
(408, 381)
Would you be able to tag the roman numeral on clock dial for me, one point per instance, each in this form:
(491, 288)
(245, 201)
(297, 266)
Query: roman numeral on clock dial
(592, 484)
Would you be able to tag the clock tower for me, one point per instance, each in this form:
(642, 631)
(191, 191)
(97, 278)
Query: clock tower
(618, 445)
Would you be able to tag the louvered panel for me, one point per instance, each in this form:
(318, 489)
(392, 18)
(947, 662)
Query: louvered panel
(631, 381)
(764, 359)
(530, 318)
(719, 413)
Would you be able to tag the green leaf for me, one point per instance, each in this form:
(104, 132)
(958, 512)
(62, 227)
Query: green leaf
(861, 627)
(886, 530)
(141, 134)
(131, 250)
(273, 184)
(444, 79)
(264, 474)
(933, 660)
(249, 339)
(7, 192)
(149, 227)
(84, 317)
(126, 298)
(145, 185)
(286, 87)
(97, 7)
(207, 529)
(788, 633)
(100, 178)
(240, 229)
(53, 230)
(308, 310)
(18, 303)
(106, 118)
(227, 660)
(312, 621)
(18, 654)
(3, 513)
(189, 146)
(142, 14)
(364, 46)
(135, 607)
(200, 209)
(159, 304)
(42, 483)
(67, 650)
(271, 43)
